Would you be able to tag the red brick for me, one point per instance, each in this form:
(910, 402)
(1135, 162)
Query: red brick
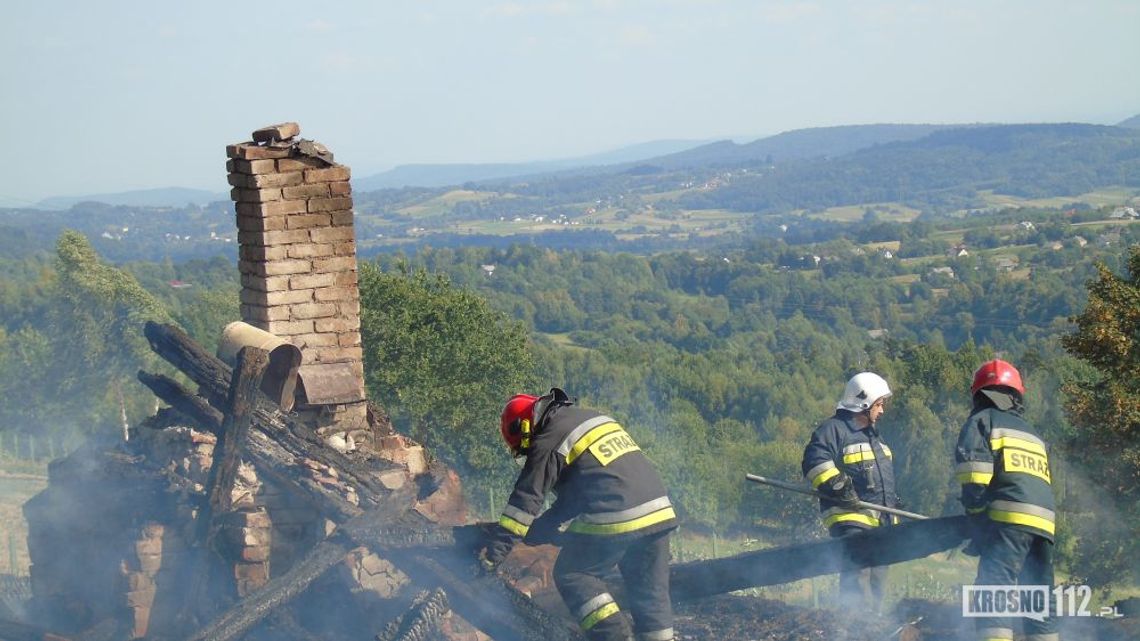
(337, 325)
(250, 151)
(342, 218)
(336, 264)
(281, 267)
(241, 194)
(323, 294)
(256, 553)
(317, 340)
(263, 313)
(328, 175)
(290, 328)
(345, 279)
(286, 237)
(312, 281)
(253, 222)
(275, 208)
(300, 163)
(311, 250)
(266, 181)
(331, 234)
(345, 249)
(312, 310)
(351, 339)
(252, 572)
(261, 284)
(307, 221)
(272, 133)
(261, 254)
(319, 190)
(333, 354)
(340, 188)
(330, 204)
(267, 166)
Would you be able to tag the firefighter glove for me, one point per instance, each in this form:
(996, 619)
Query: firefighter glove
(842, 491)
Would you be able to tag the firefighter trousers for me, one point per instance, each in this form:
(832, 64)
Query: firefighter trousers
(860, 590)
(1009, 556)
(580, 573)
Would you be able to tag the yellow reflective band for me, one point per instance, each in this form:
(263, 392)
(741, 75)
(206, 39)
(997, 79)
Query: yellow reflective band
(981, 478)
(1021, 462)
(887, 451)
(599, 614)
(824, 476)
(858, 457)
(513, 526)
(1020, 443)
(653, 518)
(850, 517)
(1020, 518)
(588, 439)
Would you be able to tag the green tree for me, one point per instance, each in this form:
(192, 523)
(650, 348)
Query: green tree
(1105, 412)
(442, 363)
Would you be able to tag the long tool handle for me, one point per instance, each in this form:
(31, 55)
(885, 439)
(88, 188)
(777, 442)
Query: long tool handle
(784, 485)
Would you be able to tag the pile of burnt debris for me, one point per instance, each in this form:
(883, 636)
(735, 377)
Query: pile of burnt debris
(224, 517)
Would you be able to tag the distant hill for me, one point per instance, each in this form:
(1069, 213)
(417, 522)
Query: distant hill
(944, 170)
(162, 197)
(1131, 123)
(439, 175)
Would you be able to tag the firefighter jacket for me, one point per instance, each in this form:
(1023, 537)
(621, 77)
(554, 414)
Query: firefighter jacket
(1003, 468)
(605, 485)
(839, 446)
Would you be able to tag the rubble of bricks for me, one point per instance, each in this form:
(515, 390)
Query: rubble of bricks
(297, 257)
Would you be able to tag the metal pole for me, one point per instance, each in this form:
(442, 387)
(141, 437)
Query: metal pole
(793, 487)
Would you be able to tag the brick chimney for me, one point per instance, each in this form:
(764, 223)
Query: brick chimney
(297, 257)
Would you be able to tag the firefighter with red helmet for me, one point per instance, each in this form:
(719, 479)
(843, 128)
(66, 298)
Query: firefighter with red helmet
(611, 511)
(1003, 467)
(846, 461)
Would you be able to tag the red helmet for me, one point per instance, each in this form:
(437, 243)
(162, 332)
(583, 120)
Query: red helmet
(997, 372)
(515, 423)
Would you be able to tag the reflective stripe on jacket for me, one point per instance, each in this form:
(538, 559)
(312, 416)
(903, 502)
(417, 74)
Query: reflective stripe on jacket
(605, 485)
(1003, 467)
(838, 445)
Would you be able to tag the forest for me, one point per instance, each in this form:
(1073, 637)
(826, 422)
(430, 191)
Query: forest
(719, 360)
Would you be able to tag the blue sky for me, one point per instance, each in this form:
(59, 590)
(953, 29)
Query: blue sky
(114, 95)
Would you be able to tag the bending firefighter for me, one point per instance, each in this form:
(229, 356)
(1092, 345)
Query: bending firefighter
(1006, 485)
(611, 510)
(847, 461)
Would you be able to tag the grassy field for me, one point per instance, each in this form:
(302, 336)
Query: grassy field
(1099, 198)
(19, 481)
(442, 204)
(887, 212)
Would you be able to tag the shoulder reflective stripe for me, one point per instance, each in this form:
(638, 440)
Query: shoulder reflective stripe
(582, 444)
(581, 429)
(656, 635)
(814, 473)
(593, 604)
(980, 472)
(513, 525)
(603, 612)
(1053, 636)
(887, 450)
(659, 516)
(637, 511)
(1003, 436)
(857, 447)
(518, 515)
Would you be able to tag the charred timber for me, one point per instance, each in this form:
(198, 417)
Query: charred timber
(878, 546)
(213, 378)
(421, 621)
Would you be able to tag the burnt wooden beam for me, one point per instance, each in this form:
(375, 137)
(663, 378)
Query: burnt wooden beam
(421, 621)
(877, 546)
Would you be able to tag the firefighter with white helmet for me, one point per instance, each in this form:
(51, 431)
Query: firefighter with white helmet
(612, 511)
(847, 461)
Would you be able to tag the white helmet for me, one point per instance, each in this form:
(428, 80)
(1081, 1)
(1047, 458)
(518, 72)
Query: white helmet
(862, 391)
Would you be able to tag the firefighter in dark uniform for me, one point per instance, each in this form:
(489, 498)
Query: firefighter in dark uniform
(611, 511)
(1003, 467)
(846, 461)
